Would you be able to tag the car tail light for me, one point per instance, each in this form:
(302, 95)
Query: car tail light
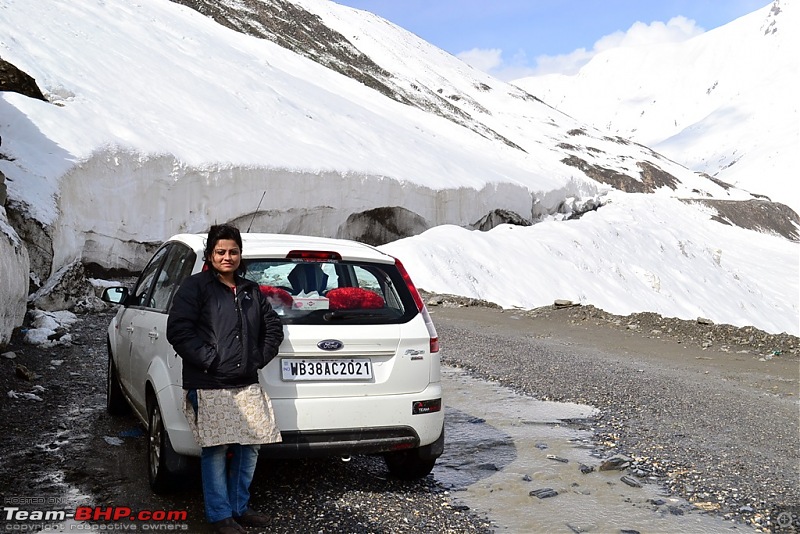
(434, 347)
(426, 406)
(309, 255)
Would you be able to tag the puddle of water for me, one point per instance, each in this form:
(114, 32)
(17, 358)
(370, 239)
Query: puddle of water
(500, 446)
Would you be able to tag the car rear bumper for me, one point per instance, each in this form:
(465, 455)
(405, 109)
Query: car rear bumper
(341, 426)
(299, 444)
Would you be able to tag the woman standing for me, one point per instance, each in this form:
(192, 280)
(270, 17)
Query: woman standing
(225, 331)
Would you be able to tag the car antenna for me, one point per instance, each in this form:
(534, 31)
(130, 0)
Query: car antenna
(254, 213)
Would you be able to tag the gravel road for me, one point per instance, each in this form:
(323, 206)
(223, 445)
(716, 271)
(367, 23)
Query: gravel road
(717, 425)
(711, 410)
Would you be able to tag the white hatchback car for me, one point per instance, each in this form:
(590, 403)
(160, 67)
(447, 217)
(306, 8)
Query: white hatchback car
(357, 373)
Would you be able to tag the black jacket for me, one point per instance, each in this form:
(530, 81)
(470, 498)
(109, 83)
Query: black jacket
(223, 338)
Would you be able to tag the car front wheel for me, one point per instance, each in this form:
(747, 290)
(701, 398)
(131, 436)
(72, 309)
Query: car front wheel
(165, 466)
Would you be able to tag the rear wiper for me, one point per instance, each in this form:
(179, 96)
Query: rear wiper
(339, 315)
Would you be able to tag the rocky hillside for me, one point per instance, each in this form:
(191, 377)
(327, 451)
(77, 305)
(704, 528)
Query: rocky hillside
(303, 32)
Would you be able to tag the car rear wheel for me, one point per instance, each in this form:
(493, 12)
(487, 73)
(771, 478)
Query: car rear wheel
(116, 404)
(408, 465)
(165, 466)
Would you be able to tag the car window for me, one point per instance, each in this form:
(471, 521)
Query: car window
(144, 285)
(176, 267)
(319, 292)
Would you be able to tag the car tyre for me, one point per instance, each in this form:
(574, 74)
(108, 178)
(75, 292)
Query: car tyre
(408, 465)
(116, 404)
(164, 466)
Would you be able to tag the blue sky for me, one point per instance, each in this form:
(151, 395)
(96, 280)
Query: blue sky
(515, 38)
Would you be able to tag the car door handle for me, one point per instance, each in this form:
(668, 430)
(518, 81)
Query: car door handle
(153, 334)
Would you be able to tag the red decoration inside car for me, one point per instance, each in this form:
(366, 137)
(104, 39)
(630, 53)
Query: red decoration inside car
(276, 296)
(351, 298)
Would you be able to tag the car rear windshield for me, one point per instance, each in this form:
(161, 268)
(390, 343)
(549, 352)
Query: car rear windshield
(330, 291)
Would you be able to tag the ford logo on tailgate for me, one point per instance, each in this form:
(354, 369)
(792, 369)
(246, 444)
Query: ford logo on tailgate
(330, 344)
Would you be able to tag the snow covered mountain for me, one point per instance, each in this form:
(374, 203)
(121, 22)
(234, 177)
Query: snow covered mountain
(306, 116)
(723, 103)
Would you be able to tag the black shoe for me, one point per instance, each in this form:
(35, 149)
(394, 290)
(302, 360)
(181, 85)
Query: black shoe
(228, 526)
(251, 518)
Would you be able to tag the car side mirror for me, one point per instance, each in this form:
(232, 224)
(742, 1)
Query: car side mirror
(115, 295)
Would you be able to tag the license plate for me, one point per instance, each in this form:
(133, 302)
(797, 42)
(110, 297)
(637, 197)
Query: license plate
(294, 369)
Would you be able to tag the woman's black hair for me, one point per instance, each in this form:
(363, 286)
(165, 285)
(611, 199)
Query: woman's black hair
(222, 231)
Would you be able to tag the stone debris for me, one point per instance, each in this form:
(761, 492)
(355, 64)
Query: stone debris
(24, 373)
(618, 463)
(563, 303)
(543, 493)
(630, 481)
(487, 467)
(707, 506)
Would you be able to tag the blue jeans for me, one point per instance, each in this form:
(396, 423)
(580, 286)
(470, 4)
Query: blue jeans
(226, 481)
(227, 472)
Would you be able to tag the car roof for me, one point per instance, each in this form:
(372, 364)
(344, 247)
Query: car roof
(279, 245)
